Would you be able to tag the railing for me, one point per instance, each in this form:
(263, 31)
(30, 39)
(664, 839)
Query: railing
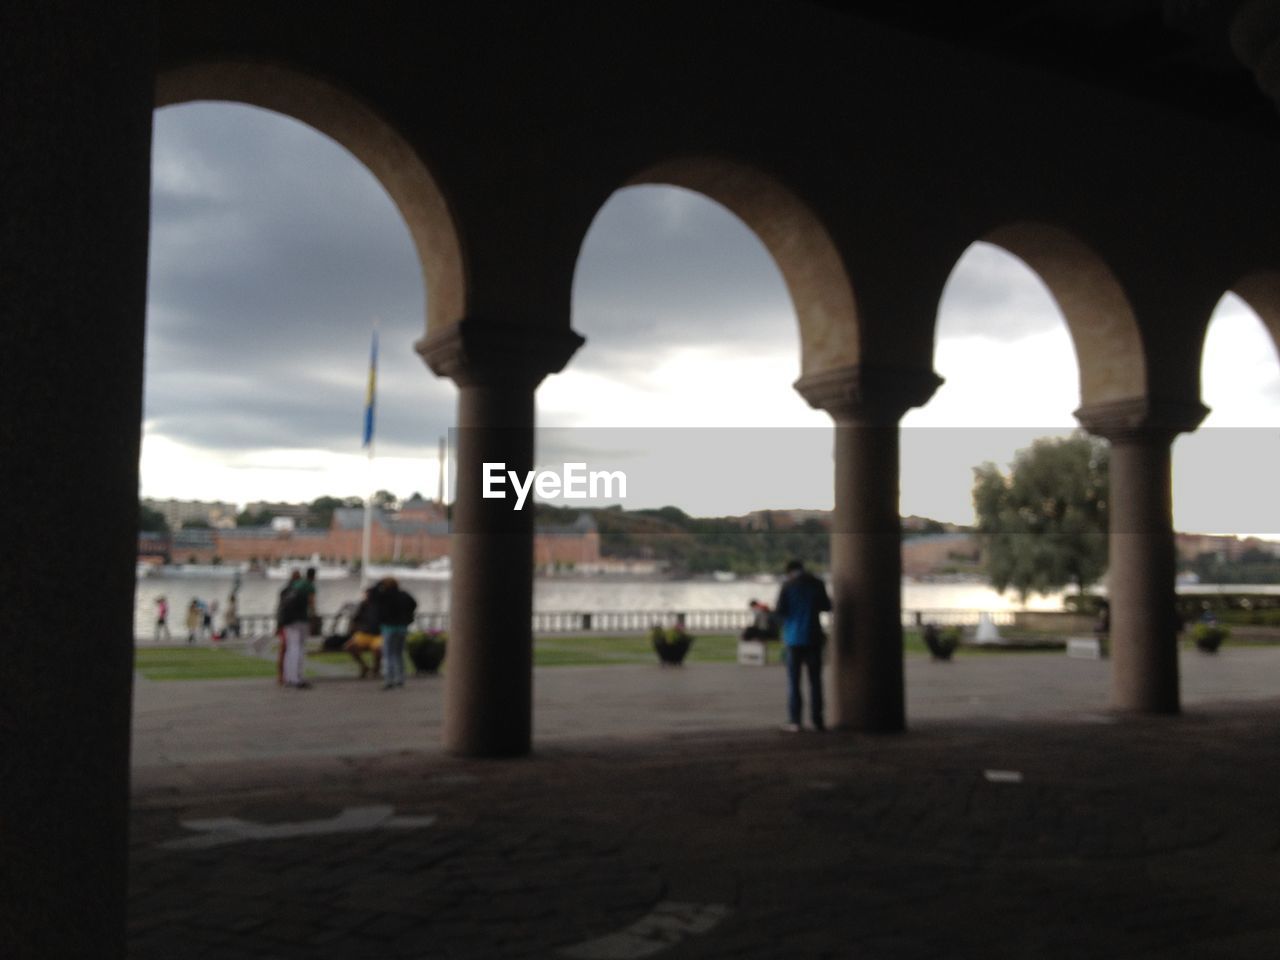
(638, 621)
(957, 618)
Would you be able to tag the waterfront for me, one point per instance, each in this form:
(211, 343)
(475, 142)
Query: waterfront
(258, 596)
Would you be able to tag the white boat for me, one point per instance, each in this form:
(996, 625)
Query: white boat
(438, 569)
(144, 569)
(723, 576)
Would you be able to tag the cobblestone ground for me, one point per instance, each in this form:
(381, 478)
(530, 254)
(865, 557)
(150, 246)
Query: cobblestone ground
(994, 839)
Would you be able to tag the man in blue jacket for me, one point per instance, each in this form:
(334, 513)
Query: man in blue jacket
(802, 598)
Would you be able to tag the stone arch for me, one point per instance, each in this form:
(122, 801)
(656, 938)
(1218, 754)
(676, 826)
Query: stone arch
(1100, 318)
(814, 271)
(371, 139)
(1261, 291)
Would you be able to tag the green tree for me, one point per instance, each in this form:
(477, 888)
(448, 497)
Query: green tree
(384, 500)
(151, 521)
(320, 510)
(261, 518)
(1044, 526)
(196, 525)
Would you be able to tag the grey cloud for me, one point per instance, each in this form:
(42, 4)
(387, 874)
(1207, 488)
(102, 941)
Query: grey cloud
(272, 251)
(662, 268)
(994, 295)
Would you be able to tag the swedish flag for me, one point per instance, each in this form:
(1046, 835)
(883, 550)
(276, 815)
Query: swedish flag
(370, 397)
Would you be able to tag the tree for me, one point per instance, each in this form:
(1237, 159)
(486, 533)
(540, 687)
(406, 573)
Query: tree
(1044, 526)
(320, 510)
(384, 500)
(151, 521)
(196, 525)
(260, 518)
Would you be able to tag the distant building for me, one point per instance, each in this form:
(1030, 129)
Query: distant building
(1228, 549)
(415, 534)
(298, 511)
(177, 512)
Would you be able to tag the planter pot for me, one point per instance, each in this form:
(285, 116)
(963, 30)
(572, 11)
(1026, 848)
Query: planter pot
(1208, 637)
(427, 656)
(672, 651)
(941, 645)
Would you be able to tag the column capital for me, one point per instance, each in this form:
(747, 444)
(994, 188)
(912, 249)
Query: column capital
(1141, 419)
(472, 352)
(865, 392)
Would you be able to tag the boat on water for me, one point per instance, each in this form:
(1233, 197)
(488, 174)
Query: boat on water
(723, 576)
(438, 569)
(216, 571)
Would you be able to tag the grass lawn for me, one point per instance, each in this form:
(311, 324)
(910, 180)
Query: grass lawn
(198, 663)
(204, 663)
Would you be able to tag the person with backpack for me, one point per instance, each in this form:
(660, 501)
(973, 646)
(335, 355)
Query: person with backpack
(293, 620)
(802, 598)
(395, 614)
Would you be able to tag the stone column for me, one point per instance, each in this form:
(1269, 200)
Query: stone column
(866, 674)
(75, 108)
(1143, 560)
(488, 700)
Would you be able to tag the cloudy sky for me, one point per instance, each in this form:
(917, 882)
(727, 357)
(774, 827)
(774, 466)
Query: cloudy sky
(273, 251)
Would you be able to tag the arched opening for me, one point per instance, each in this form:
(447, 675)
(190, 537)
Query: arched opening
(395, 162)
(273, 251)
(1223, 473)
(704, 290)
(1031, 326)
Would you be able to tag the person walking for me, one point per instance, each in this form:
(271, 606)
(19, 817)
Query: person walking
(194, 619)
(294, 623)
(802, 598)
(395, 614)
(231, 618)
(162, 620)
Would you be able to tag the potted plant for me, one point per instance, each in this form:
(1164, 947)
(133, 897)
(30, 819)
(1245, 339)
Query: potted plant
(671, 645)
(426, 650)
(941, 643)
(1208, 637)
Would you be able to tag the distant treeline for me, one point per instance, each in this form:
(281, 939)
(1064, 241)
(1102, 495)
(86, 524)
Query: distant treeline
(700, 545)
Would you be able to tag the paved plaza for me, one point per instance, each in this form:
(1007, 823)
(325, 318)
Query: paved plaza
(663, 814)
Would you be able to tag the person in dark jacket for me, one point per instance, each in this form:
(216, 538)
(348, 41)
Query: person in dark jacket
(395, 614)
(802, 598)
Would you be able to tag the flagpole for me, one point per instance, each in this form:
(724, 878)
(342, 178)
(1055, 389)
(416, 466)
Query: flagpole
(370, 405)
(368, 521)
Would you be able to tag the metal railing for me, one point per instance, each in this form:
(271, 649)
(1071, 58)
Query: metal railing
(635, 621)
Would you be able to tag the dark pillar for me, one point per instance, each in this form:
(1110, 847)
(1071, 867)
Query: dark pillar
(488, 708)
(866, 540)
(1143, 560)
(75, 111)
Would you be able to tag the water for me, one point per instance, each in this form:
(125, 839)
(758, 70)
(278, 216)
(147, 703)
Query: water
(258, 596)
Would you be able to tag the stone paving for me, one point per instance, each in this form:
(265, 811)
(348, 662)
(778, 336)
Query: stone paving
(1016, 819)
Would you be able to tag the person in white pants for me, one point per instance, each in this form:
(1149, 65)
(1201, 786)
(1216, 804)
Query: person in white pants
(295, 654)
